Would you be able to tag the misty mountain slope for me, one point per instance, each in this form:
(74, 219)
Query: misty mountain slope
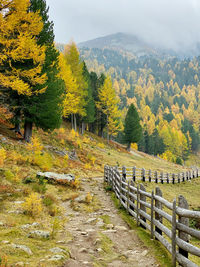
(121, 41)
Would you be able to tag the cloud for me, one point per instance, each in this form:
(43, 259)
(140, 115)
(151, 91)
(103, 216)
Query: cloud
(167, 23)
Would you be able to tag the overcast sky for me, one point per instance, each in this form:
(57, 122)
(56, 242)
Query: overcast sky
(169, 23)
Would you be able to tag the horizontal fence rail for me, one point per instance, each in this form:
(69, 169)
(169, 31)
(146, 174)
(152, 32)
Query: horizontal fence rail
(151, 209)
(144, 175)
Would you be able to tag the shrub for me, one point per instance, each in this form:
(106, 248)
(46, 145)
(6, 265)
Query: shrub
(91, 158)
(88, 198)
(9, 175)
(43, 161)
(101, 145)
(33, 205)
(3, 261)
(179, 161)
(134, 146)
(35, 146)
(2, 156)
(49, 200)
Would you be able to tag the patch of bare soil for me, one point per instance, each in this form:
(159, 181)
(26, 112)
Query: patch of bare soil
(99, 236)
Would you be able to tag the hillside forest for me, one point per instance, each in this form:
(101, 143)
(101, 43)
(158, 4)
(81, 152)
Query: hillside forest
(165, 92)
(41, 87)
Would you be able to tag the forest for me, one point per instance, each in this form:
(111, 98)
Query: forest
(166, 93)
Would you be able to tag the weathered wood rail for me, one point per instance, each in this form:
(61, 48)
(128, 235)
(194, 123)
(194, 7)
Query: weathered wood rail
(149, 211)
(136, 174)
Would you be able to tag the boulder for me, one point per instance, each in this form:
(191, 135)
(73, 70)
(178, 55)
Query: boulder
(53, 177)
(39, 234)
(22, 247)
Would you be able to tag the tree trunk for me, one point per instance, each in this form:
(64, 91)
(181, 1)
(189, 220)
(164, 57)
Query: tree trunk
(17, 120)
(72, 120)
(107, 131)
(128, 147)
(83, 128)
(28, 131)
(75, 124)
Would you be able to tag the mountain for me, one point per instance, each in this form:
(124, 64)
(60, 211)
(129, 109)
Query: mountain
(121, 41)
(138, 47)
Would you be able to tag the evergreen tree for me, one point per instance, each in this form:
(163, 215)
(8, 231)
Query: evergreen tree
(45, 110)
(90, 104)
(132, 127)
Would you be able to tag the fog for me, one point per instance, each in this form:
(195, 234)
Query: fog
(172, 24)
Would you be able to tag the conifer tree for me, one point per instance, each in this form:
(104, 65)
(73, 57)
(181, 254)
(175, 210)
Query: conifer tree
(45, 110)
(132, 128)
(90, 104)
(72, 58)
(108, 104)
(21, 57)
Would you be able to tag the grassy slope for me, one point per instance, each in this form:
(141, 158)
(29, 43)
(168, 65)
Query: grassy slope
(21, 162)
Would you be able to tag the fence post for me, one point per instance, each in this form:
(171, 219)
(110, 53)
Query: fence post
(152, 199)
(174, 234)
(143, 174)
(187, 176)
(134, 174)
(197, 172)
(142, 207)
(127, 196)
(149, 175)
(179, 180)
(183, 177)
(159, 206)
(167, 178)
(124, 173)
(173, 178)
(131, 198)
(162, 176)
(156, 177)
(193, 176)
(138, 197)
(182, 203)
(105, 169)
(190, 175)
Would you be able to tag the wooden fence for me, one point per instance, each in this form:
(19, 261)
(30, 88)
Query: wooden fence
(135, 174)
(150, 210)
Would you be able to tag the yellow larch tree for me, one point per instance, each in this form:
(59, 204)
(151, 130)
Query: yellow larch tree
(72, 58)
(108, 104)
(21, 58)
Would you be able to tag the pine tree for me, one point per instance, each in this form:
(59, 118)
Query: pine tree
(90, 104)
(132, 128)
(45, 110)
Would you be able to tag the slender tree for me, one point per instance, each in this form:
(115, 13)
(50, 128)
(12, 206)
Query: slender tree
(108, 104)
(132, 127)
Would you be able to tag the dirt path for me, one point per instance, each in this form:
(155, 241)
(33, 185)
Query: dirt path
(100, 237)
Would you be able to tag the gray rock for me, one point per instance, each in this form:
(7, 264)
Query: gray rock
(56, 177)
(39, 233)
(22, 247)
(27, 226)
(144, 253)
(83, 250)
(121, 228)
(91, 220)
(5, 242)
(57, 250)
(56, 258)
(109, 226)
